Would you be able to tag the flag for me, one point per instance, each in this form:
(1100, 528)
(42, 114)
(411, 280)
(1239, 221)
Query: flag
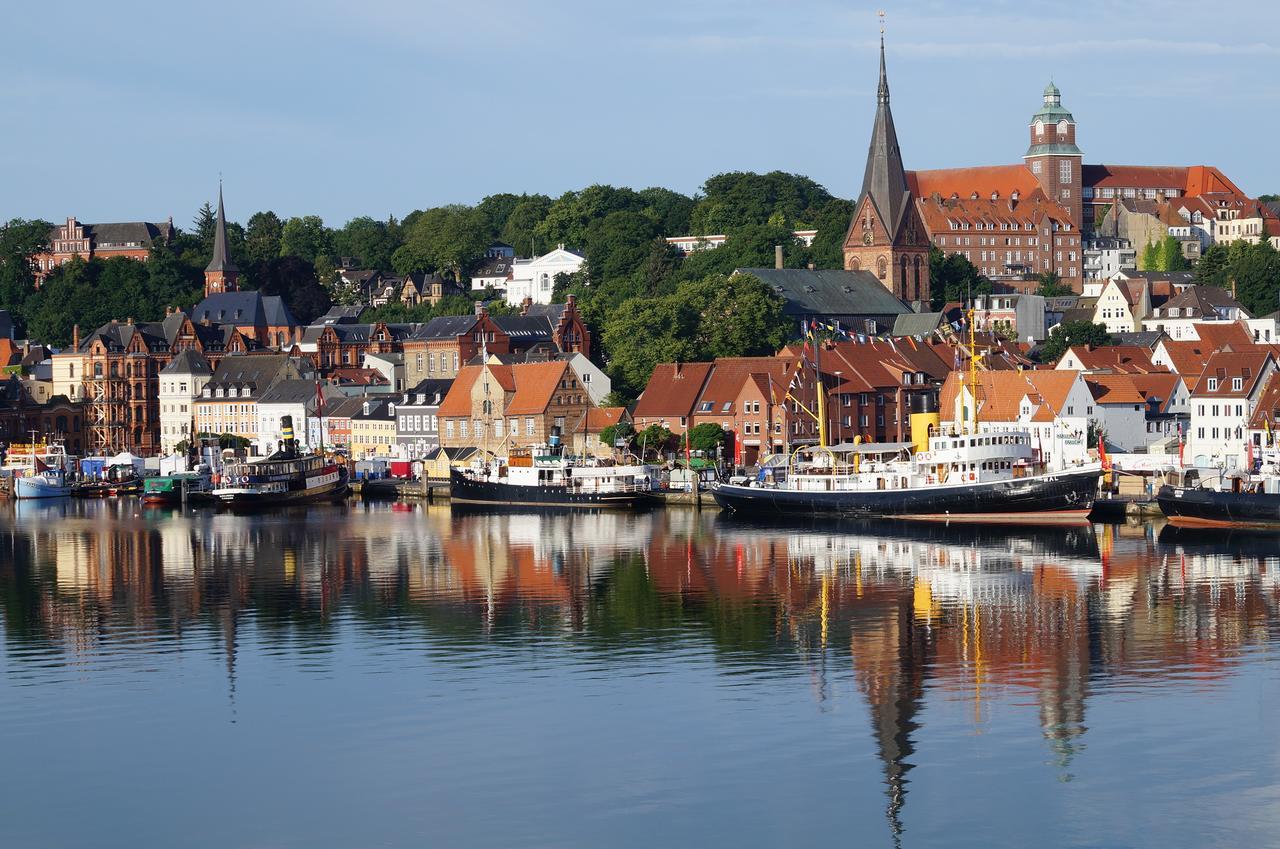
(1266, 427)
(319, 397)
(1102, 450)
(1181, 444)
(1248, 453)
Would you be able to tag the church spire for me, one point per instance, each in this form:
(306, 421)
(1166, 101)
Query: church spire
(885, 180)
(221, 274)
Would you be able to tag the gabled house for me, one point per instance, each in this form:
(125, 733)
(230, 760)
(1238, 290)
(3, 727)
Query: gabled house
(1054, 406)
(1108, 359)
(497, 407)
(1123, 304)
(1223, 400)
(535, 278)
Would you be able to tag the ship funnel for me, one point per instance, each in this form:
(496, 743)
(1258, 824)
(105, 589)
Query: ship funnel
(554, 440)
(286, 435)
(924, 419)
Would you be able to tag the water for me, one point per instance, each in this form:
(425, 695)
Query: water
(386, 676)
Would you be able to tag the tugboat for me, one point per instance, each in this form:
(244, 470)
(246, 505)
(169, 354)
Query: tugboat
(545, 477)
(1234, 499)
(989, 476)
(287, 477)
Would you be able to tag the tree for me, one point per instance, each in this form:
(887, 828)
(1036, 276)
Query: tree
(619, 243)
(832, 223)
(1051, 285)
(370, 242)
(204, 225)
(1071, 333)
(669, 211)
(447, 238)
(653, 439)
(520, 228)
(1212, 269)
(1256, 272)
(953, 278)
(262, 238)
(1150, 258)
(715, 317)
(706, 436)
(622, 431)
(295, 280)
(1171, 256)
(736, 199)
(305, 237)
(20, 241)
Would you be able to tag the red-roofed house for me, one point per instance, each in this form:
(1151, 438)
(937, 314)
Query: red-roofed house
(1055, 406)
(1123, 304)
(1222, 404)
(1108, 359)
(496, 407)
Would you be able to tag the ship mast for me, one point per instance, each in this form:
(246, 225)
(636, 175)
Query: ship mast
(973, 369)
(822, 403)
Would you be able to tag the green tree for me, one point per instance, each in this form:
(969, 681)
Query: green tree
(832, 223)
(1051, 285)
(1212, 268)
(1171, 256)
(952, 278)
(737, 199)
(624, 431)
(669, 211)
(306, 237)
(1072, 333)
(20, 241)
(295, 280)
(1149, 259)
(521, 226)
(262, 238)
(447, 238)
(1256, 272)
(204, 225)
(496, 209)
(653, 440)
(370, 242)
(619, 243)
(706, 436)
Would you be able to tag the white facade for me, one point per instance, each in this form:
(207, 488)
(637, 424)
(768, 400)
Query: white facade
(269, 415)
(1115, 311)
(536, 278)
(1062, 442)
(178, 392)
(67, 375)
(592, 378)
(1220, 424)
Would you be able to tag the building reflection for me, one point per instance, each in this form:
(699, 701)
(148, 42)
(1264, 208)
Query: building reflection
(972, 614)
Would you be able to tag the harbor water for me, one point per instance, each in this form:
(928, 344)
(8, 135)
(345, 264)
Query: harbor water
(399, 675)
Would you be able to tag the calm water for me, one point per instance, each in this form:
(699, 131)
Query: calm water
(376, 676)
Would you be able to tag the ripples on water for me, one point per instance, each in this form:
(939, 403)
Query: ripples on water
(394, 676)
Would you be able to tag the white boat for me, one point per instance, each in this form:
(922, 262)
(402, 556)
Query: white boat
(41, 473)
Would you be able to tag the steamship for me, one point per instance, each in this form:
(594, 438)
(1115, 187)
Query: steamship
(287, 477)
(546, 477)
(991, 476)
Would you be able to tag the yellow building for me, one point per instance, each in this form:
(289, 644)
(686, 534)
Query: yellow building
(373, 430)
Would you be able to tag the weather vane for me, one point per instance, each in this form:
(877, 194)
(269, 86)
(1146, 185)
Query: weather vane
(881, 14)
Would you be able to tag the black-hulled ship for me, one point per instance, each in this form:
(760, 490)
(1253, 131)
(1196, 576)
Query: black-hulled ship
(546, 477)
(285, 478)
(1237, 499)
(992, 477)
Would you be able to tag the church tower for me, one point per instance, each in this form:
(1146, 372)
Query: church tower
(221, 274)
(887, 236)
(1053, 156)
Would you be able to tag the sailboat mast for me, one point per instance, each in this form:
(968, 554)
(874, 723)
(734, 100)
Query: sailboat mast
(973, 368)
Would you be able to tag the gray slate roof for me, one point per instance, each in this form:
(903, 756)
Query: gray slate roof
(885, 180)
(244, 308)
(221, 260)
(445, 327)
(431, 390)
(188, 362)
(256, 371)
(829, 292)
(289, 392)
(144, 233)
(342, 315)
(917, 323)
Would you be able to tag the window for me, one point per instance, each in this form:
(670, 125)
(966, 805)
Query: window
(462, 428)
(1213, 387)
(1237, 384)
(448, 428)
(1036, 167)
(1064, 170)
(528, 426)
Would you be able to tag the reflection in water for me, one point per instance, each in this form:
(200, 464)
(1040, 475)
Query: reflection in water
(913, 616)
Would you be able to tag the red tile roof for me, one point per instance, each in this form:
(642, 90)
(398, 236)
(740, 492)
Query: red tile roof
(1266, 413)
(1160, 386)
(1224, 367)
(458, 401)
(1001, 393)
(672, 390)
(1005, 179)
(535, 385)
(1120, 359)
(730, 373)
(1113, 389)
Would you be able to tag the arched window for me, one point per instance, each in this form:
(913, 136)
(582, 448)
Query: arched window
(920, 293)
(882, 268)
(902, 281)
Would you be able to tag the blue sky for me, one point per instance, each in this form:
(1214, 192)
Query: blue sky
(130, 110)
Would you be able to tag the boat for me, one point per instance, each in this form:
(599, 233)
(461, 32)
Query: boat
(979, 475)
(171, 490)
(546, 477)
(1235, 499)
(43, 474)
(286, 477)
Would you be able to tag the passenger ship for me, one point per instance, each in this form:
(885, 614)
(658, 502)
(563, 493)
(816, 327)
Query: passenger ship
(991, 476)
(286, 477)
(547, 477)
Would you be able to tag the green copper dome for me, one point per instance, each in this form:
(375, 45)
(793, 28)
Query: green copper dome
(1051, 90)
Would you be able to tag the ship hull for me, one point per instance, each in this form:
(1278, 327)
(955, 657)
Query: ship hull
(36, 487)
(328, 486)
(1205, 508)
(465, 491)
(1058, 498)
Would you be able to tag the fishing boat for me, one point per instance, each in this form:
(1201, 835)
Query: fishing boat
(122, 480)
(171, 490)
(287, 477)
(547, 477)
(41, 472)
(991, 476)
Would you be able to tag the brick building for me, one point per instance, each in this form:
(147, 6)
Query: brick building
(132, 239)
(497, 407)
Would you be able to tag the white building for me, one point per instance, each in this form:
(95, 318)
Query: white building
(1222, 405)
(293, 398)
(181, 382)
(1123, 304)
(1179, 317)
(1055, 407)
(536, 278)
(592, 378)
(1106, 257)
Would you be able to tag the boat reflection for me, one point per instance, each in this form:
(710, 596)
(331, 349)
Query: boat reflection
(974, 615)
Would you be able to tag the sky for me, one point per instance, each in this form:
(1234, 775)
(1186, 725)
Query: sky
(131, 110)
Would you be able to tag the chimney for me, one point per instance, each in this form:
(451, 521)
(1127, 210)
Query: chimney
(777, 256)
(525, 305)
(75, 337)
(678, 374)
(1233, 289)
(810, 266)
(129, 321)
(479, 307)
